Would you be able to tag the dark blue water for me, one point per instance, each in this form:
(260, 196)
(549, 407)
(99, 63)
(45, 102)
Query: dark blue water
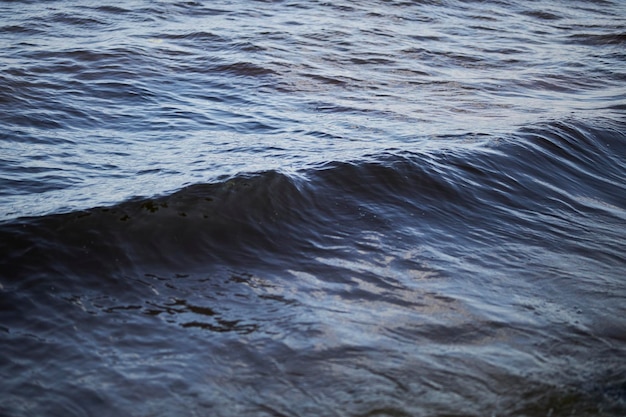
(307, 208)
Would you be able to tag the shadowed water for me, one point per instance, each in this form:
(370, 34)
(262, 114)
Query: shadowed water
(275, 208)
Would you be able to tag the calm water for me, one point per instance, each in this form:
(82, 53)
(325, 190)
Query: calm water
(308, 208)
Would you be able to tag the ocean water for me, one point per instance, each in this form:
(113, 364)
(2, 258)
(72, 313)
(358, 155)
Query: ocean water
(311, 208)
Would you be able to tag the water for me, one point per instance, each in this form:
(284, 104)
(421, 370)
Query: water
(270, 208)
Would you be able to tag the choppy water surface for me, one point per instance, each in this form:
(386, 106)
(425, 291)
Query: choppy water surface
(306, 208)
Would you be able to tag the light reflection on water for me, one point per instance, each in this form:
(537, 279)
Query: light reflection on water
(382, 208)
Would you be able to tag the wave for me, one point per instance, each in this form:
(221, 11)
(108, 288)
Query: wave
(472, 260)
(547, 184)
(246, 207)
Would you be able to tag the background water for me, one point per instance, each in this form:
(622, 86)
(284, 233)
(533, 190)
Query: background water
(303, 208)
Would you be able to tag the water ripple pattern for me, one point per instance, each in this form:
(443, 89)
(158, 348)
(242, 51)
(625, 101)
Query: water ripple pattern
(101, 103)
(313, 208)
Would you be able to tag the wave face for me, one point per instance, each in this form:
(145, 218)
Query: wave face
(310, 208)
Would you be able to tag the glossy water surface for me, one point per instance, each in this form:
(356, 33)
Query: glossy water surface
(308, 208)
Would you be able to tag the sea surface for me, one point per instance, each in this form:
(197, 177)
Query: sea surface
(313, 208)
